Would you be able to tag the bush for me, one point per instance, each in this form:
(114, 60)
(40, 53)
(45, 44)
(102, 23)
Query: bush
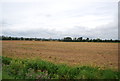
(6, 60)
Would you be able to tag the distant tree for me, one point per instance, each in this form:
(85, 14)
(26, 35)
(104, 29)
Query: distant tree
(111, 40)
(90, 40)
(68, 39)
(0, 37)
(87, 39)
(98, 40)
(9, 38)
(22, 38)
(75, 39)
(80, 39)
(3, 37)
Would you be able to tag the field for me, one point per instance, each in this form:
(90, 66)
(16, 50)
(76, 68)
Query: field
(104, 55)
(59, 60)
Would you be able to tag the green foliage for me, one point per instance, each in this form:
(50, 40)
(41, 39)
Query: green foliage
(36, 75)
(6, 60)
(6, 76)
(38, 69)
(66, 39)
(109, 74)
(16, 68)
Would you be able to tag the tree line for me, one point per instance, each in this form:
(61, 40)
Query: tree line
(80, 39)
(65, 39)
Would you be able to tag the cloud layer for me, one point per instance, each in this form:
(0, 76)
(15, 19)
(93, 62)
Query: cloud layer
(60, 18)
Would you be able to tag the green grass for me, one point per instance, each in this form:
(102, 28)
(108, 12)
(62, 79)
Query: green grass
(39, 69)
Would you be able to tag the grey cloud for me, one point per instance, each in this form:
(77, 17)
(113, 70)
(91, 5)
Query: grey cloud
(45, 18)
(41, 32)
(109, 31)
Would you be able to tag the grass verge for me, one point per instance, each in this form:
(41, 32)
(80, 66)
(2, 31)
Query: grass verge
(39, 69)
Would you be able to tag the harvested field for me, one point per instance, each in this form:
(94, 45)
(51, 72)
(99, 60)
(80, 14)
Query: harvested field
(104, 55)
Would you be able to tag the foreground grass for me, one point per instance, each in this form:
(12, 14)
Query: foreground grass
(38, 69)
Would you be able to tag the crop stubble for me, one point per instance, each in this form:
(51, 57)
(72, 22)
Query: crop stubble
(71, 53)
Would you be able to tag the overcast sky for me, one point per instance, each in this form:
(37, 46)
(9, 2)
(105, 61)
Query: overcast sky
(60, 18)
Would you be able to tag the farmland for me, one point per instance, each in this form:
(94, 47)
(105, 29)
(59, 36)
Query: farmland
(104, 55)
(59, 60)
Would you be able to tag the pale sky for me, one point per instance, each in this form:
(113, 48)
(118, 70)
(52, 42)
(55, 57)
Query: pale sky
(60, 18)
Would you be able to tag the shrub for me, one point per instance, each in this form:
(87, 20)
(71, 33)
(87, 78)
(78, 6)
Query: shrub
(6, 60)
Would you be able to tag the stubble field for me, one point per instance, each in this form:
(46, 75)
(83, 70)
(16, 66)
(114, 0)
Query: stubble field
(104, 55)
